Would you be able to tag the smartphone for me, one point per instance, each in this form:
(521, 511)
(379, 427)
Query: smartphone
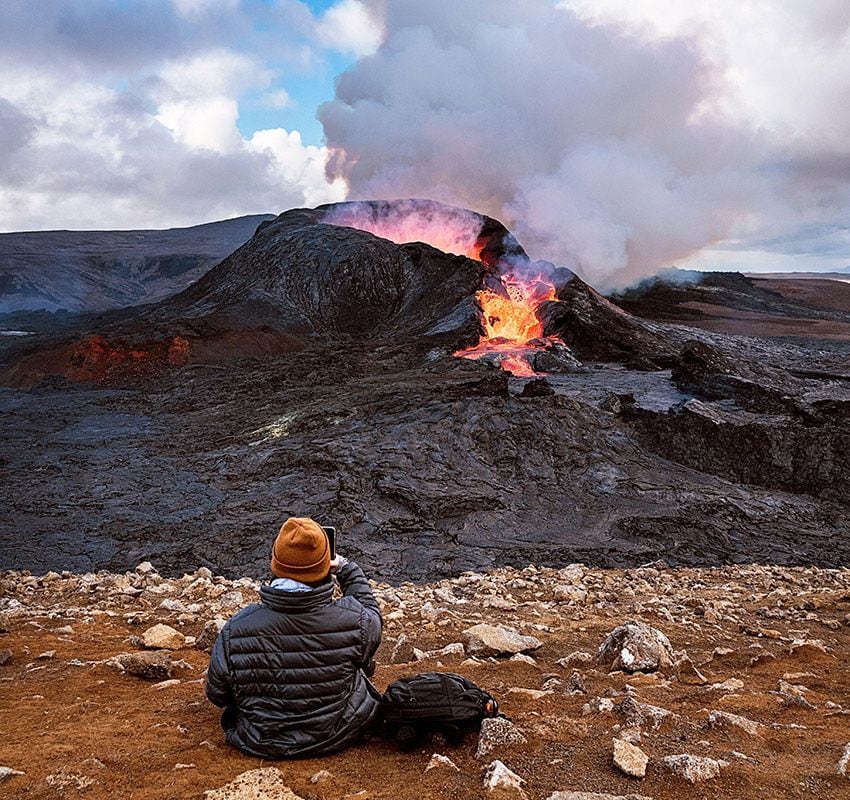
(331, 534)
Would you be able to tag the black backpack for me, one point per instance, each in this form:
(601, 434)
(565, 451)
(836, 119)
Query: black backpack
(434, 702)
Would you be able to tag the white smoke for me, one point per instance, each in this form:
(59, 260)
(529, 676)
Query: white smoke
(600, 149)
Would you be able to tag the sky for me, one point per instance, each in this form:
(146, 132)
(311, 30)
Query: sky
(617, 137)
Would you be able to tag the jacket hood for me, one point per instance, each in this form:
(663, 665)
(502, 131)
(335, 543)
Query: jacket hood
(297, 602)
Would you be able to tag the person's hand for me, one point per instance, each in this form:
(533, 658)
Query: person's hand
(337, 562)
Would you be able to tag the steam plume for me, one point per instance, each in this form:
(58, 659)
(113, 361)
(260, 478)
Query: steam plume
(598, 149)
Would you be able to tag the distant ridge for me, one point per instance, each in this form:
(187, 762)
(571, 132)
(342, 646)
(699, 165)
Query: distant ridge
(101, 270)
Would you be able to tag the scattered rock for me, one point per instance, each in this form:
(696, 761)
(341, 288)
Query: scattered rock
(497, 732)
(47, 655)
(153, 665)
(500, 783)
(66, 779)
(441, 762)
(577, 657)
(266, 783)
(566, 593)
(595, 796)
(145, 568)
(497, 640)
(686, 672)
(162, 637)
(729, 685)
(718, 719)
(166, 684)
(575, 684)
(209, 634)
(5, 657)
(402, 652)
(844, 762)
(635, 647)
(65, 630)
(321, 776)
(694, 769)
(599, 705)
(8, 772)
(630, 759)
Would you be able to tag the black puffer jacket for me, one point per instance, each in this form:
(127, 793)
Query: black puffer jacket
(289, 671)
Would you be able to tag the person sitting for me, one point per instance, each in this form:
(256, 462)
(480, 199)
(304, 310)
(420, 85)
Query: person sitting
(291, 672)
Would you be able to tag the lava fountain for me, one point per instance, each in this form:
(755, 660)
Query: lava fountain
(512, 331)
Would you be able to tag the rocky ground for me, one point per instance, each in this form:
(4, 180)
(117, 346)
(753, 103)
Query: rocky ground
(745, 692)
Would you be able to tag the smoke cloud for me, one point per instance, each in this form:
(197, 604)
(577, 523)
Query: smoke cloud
(603, 150)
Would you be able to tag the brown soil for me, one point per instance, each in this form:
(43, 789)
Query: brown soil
(832, 294)
(734, 321)
(86, 730)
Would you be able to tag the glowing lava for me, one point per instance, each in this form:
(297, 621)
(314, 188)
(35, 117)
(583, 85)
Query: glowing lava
(511, 327)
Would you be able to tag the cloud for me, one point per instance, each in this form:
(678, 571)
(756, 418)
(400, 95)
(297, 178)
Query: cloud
(125, 115)
(350, 27)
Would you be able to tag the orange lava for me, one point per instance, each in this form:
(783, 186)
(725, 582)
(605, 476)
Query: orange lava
(511, 326)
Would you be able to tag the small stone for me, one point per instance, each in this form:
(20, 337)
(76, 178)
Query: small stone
(497, 732)
(533, 694)
(635, 647)
(565, 593)
(441, 762)
(266, 783)
(577, 657)
(694, 769)
(321, 776)
(8, 772)
(402, 652)
(575, 684)
(145, 568)
(686, 672)
(5, 657)
(595, 796)
(522, 657)
(166, 684)
(630, 759)
(599, 705)
(209, 634)
(154, 665)
(843, 768)
(185, 766)
(46, 655)
(162, 637)
(729, 685)
(65, 630)
(497, 640)
(718, 719)
(502, 783)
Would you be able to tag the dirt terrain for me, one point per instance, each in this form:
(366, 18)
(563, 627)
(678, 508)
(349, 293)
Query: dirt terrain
(770, 645)
(802, 307)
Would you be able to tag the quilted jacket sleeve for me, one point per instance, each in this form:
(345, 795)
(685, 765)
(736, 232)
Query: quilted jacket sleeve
(354, 584)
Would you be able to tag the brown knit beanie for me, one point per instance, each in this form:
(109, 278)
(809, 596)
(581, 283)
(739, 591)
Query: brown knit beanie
(301, 551)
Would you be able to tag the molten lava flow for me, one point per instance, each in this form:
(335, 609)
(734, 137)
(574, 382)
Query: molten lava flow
(512, 330)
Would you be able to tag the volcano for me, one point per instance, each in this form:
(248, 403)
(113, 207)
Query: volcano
(347, 274)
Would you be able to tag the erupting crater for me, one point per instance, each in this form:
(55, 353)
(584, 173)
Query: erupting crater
(514, 287)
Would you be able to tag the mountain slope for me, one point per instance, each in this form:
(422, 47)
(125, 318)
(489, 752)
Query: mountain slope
(99, 270)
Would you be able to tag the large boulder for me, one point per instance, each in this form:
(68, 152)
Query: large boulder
(635, 647)
(497, 640)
